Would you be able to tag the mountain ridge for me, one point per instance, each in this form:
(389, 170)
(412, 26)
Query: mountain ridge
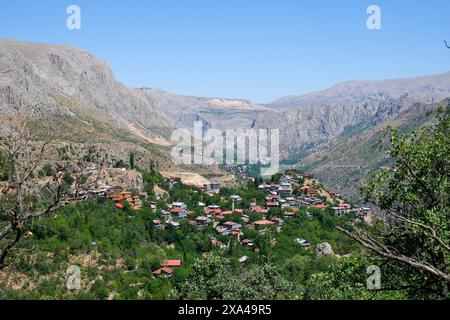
(69, 84)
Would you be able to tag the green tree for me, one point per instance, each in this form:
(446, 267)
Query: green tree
(132, 160)
(413, 197)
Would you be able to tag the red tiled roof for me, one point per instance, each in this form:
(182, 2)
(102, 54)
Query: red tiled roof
(119, 205)
(263, 223)
(272, 204)
(171, 263)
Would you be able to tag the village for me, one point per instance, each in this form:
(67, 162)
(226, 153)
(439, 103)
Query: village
(283, 201)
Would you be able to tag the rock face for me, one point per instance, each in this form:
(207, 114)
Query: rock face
(324, 249)
(59, 83)
(39, 80)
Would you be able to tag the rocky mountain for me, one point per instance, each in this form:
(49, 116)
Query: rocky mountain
(359, 152)
(217, 113)
(311, 122)
(78, 93)
(40, 80)
(427, 89)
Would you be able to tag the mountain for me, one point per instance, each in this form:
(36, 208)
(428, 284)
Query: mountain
(78, 95)
(39, 80)
(359, 152)
(427, 89)
(311, 122)
(216, 113)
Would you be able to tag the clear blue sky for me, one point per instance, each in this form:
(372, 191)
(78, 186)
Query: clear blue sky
(253, 49)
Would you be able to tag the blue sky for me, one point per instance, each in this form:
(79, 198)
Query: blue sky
(253, 49)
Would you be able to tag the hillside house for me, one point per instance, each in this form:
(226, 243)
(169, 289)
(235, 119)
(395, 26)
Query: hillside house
(157, 224)
(230, 225)
(179, 205)
(272, 204)
(173, 224)
(171, 263)
(258, 209)
(263, 224)
(334, 193)
(166, 272)
(278, 221)
(302, 242)
(212, 187)
(203, 221)
(288, 215)
(178, 213)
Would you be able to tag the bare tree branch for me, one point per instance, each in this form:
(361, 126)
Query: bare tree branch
(386, 253)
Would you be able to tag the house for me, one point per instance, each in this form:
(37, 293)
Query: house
(286, 180)
(302, 242)
(272, 204)
(334, 193)
(178, 212)
(166, 272)
(247, 243)
(213, 187)
(230, 225)
(165, 213)
(263, 224)
(342, 209)
(157, 224)
(179, 205)
(119, 205)
(222, 230)
(144, 195)
(235, 198)
(289, 215)
(258, 209)
(274, 187)
(171, 263)
(173, 224)
(285, 191)
(218, 243)
(202, 221)
(278, 221)
(319, 206)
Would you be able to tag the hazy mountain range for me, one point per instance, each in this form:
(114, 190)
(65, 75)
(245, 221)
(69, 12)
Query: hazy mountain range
(76, 90)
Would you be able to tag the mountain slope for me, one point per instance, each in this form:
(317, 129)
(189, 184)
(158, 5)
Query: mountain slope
(79, 96)
(427, 89)
(357, 153)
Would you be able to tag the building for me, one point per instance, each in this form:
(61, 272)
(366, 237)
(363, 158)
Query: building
(171, 263)
(166, 272)
(212, 187)
(178, 213)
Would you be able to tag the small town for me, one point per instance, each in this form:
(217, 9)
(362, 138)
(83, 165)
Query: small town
(229, 218)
